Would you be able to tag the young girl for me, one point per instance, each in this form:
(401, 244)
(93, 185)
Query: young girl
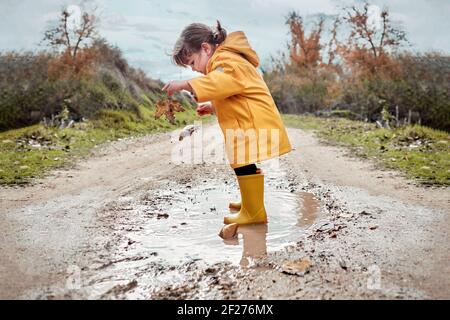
(235, 91)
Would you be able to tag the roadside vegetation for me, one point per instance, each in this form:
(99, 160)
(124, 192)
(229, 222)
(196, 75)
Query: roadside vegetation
(79, 92)
(421, 153)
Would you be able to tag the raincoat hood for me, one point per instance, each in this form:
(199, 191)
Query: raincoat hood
(237, 42)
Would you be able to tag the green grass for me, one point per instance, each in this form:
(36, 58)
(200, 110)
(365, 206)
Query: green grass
(419, 152)
(31, 152)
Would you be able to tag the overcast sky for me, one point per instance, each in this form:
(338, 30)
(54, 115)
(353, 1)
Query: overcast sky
(146, 29)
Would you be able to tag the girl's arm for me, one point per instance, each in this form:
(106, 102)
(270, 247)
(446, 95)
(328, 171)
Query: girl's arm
(174, 86)
(223, 82)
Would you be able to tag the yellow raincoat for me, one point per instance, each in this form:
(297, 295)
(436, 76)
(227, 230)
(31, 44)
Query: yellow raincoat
(245, 109)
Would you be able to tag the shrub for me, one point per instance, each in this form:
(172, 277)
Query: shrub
(37, 85)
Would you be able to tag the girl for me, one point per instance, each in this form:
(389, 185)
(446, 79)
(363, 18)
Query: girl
(245, 109)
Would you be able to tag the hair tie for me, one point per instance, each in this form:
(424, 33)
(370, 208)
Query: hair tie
(215, 36)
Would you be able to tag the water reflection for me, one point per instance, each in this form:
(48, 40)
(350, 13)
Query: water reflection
(309, 209)
(254, 243)
(190, 217)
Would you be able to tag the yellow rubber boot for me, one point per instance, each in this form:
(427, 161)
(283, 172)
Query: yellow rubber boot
(236, 206)
(252, 206)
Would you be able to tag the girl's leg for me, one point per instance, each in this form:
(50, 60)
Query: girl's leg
(251, 187)
(243, 171)
(246, 170)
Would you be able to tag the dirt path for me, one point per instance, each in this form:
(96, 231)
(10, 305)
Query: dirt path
(128, 223)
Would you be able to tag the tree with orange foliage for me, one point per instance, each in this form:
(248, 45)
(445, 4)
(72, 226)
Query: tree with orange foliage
(71, 40)
(304, 50)
(334, 42)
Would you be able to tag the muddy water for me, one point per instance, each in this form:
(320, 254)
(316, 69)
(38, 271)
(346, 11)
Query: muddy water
(187, 224)
(161, 232)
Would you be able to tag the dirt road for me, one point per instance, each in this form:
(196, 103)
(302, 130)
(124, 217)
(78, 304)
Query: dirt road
(129, 223)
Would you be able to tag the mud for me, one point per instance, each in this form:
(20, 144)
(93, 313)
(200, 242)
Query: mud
(125, 223)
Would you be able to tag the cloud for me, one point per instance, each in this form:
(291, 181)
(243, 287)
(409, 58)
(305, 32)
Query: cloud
(114, 22)
(149, 28)
(134, 50)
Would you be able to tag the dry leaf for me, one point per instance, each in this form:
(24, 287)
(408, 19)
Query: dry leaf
(168, 108)
(297, 268)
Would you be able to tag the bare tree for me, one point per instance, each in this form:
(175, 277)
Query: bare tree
(377, 40)
(68, 38)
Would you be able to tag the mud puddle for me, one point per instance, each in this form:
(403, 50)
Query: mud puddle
(164, 233)
(188, 229)
(185, 223)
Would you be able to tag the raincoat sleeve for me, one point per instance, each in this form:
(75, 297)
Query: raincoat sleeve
(224, 81)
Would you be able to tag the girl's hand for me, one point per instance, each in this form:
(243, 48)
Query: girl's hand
(205, 108)
(174, 86)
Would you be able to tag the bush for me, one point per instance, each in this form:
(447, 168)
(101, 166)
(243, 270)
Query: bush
(362, 70)
(300, 92)
(417, 86)
(37, 85)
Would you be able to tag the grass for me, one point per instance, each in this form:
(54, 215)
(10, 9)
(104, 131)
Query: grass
(419, 152)
(31, 152)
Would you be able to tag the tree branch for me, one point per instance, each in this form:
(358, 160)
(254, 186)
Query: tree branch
(66, 15)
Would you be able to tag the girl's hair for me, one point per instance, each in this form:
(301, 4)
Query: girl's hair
(191, 40)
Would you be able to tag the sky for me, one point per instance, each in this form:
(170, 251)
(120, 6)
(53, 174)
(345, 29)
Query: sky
(146, 30)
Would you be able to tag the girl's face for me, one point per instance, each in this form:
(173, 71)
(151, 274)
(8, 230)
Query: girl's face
(199, 60)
